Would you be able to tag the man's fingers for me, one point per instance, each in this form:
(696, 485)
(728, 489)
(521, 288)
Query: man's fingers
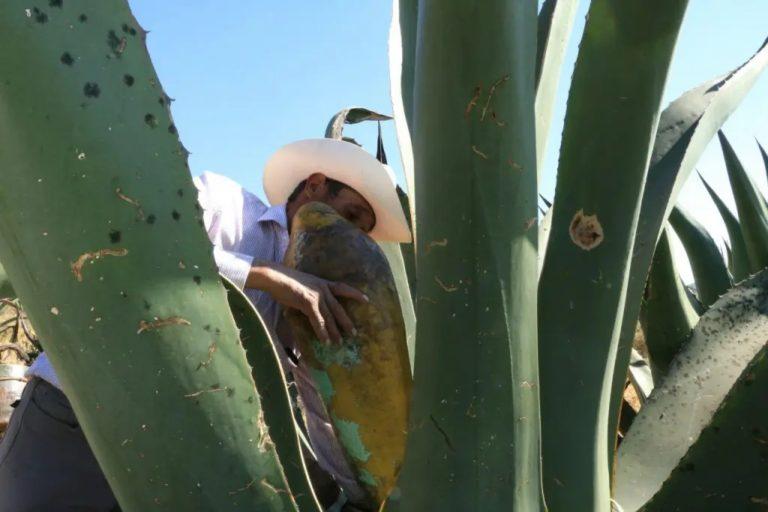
(340, 314)
(344, 290)
(330, 321)
(318, 324)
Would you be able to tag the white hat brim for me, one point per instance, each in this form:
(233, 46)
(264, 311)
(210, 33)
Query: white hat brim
(344, 162)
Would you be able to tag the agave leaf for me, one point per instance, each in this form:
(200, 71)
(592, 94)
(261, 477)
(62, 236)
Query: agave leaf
(640, 375)
(726, 339)
(475, 408)
(270, 381)
(709, 270)
(584, 279)
(396, 263)
(739, 259)
(764, 154)
(545, 226)
(402, 48)
(351, 115)
(406, 262)
(402, 65)
(408, 251)
(102, 240)
(555, 26)
(750, 204)
(667, 316)
(726, 468)
(686, 127)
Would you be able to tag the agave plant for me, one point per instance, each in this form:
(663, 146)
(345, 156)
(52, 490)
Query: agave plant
(517, 379)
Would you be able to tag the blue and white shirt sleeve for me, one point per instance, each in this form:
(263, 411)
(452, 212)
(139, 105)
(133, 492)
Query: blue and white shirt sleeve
(219, 197)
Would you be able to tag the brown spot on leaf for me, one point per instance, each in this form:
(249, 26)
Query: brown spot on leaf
(491, 92)
(473, 101)
(207, 362)
(586, 231)
(244, 488)
(77, 265)
(131, 201)
(496, 120)
(158, 323)
(265, 441)
(116, 44)
(435, 243)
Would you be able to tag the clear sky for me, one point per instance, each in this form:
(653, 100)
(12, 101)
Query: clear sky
(249, 77)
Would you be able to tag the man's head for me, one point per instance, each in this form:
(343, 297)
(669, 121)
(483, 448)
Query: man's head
(343, 176)
(342, 198)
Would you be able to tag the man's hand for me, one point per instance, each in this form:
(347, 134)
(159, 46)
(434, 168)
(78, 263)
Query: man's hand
(313, 296)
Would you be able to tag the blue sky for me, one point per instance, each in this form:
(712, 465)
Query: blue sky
(250, 76)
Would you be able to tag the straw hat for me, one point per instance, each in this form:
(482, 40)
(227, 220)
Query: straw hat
(344, 162)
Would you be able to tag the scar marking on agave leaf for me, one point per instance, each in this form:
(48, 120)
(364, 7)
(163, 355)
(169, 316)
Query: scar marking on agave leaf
(586, 231)
(157, 323)
(265, 441)
(516, 166)
(494, 117)
(447, 288)
(272, 488)
(473, 101)
(131, 201)
(443, 432)
(211, 351)
(243, 489)
(77, 265)
(497, 83)
(212, 390)
(479, 153)
(435, 243)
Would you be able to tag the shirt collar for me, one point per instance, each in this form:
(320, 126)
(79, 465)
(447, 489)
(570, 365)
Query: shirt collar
(275, 214)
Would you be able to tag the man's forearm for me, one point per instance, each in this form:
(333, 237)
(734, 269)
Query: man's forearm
(262, 275)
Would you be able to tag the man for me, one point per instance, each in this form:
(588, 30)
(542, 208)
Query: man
(45, 461)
